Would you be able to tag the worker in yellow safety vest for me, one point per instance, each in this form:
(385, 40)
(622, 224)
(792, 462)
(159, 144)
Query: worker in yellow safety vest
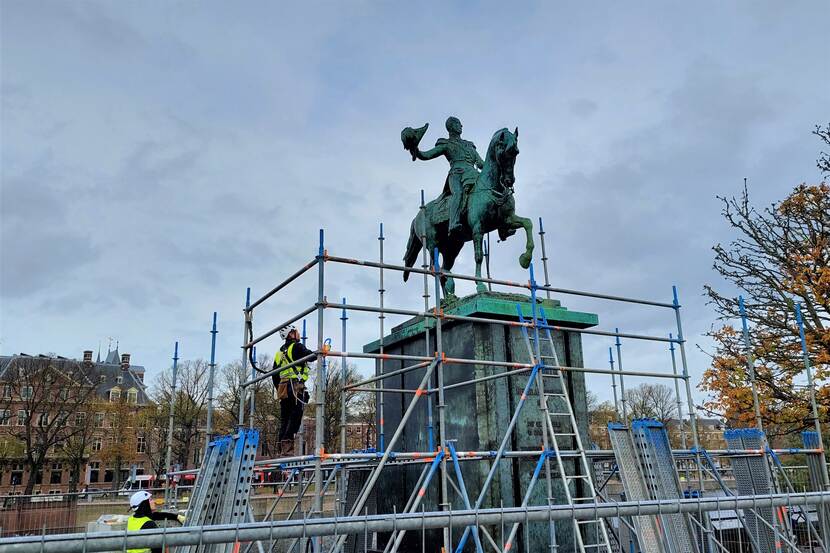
(144, 518)
(290, 386)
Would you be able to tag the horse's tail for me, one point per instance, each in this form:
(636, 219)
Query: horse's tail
(413, 246)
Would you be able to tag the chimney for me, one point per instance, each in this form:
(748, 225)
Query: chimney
(88, 357)
(125, 361)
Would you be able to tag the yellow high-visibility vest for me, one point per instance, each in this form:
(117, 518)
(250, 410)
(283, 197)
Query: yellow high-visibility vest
(297, 372)
(134, 524)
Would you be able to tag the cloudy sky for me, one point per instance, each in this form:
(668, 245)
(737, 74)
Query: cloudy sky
(159, 157)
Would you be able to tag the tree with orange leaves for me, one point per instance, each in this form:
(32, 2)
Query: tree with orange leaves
(780, 257)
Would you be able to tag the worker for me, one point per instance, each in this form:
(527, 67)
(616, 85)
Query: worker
(144, 517)
(290, 386)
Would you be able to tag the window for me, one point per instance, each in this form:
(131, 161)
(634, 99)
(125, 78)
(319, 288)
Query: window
(97, 443)
(141, 445)
(94, 467)
(26, 392)
(99, 420)
(43, 419)
(57, 474)
(80, 419)
(64, 394)
(102, 378)
(22, 415)
(132, 396)
(115, 394)
(5, 417)
(17, 475)
(119, 379)
(109, 475)
(7, 391)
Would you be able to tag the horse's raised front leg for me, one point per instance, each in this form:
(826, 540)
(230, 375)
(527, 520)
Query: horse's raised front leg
(478, 238)
(514, 221)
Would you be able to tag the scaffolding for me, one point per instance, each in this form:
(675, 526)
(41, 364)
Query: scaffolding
(334, 499)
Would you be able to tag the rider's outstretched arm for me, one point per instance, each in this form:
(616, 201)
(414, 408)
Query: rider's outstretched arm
(438, 151)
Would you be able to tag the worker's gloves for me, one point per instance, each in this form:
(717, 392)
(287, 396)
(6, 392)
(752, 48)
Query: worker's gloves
(180, 518)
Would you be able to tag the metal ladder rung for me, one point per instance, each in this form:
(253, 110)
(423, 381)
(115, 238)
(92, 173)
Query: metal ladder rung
(576, 476)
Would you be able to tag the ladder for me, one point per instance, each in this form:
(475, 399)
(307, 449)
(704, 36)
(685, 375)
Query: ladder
(223, 487)
(590, 535)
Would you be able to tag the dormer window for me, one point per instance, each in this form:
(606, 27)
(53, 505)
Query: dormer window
(119, 379)
(132, 396)
(115, 394)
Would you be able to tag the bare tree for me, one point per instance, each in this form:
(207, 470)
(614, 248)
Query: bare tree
(780, 256)
(266, 406)
(76, 447)
(823, 161)
(45, 393)
(652, 401)
(120, 445)
(189, 408)
(335, 376)
(365, 414)
(151, 425)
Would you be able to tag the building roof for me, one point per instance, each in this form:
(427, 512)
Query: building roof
(106, 373)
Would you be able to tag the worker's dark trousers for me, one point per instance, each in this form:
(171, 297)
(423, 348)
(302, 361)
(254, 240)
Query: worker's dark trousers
(291, 415)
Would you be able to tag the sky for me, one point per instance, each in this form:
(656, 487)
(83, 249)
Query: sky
(160, 157)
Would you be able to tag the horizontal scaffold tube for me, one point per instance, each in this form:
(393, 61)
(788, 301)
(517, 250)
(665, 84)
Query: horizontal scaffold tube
(277, 328)
(282, 284)
(451, 317)
(272, 372)
(268, 531)
(514, 284)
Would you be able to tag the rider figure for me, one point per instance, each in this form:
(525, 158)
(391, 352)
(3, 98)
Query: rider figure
(463, 159)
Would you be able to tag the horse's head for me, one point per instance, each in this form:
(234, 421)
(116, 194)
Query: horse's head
(504, 147)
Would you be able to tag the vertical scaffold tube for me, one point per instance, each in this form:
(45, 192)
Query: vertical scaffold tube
(425, 265)
(442, 425)
(246, 338)
(544, 257)
(211, 377)
(168, 458)
(812, 389)
(681, 342)
(750, 365)
(623, 399)
(381, 317)
(613, 380)
(343, 366)
(319, 406)
(677, 394)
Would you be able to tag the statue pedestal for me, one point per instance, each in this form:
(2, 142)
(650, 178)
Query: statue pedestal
(477, 415)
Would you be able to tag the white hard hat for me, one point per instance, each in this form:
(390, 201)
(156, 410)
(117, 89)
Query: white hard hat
(286, 330)
(138, 498)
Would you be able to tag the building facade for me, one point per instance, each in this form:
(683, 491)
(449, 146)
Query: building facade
(78, 421)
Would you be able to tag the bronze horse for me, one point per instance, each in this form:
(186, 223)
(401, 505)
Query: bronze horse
(490, 206)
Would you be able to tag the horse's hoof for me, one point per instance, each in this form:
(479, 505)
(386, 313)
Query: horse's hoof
(525, 259)
(481, 287)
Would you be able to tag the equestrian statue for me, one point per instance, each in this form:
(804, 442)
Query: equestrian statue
(471, 204)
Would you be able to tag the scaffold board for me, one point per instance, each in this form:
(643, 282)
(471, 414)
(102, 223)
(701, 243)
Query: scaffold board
(223, 486)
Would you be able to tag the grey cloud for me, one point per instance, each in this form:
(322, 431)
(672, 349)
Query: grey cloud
(583, 107)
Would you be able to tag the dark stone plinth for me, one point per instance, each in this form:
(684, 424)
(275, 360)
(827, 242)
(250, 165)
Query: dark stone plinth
(477, 415)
